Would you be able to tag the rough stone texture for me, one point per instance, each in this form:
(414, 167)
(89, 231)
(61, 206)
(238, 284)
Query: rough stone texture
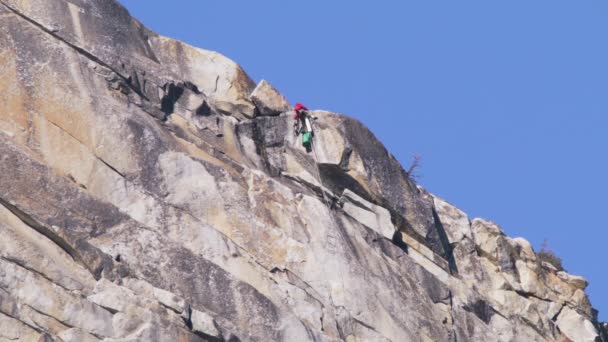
(268, 100)
(370, 215)
(576, 327)
(141, 199)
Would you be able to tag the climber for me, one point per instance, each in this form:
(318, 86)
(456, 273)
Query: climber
(302, 125)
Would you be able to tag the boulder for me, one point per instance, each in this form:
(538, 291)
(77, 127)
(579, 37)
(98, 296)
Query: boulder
(203, 323)
(268, 100)
(454, 221)
(529, 279)
(486, 235)
(523, 249)
(577, 282)
(575, 326)
(111, 296)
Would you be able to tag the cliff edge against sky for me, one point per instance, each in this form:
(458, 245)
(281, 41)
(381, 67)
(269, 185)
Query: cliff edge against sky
(151, 191)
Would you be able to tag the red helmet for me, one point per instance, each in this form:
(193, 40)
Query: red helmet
(298, 108)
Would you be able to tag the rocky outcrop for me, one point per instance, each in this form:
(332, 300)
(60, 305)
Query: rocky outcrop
(150, 191)
(268, 100)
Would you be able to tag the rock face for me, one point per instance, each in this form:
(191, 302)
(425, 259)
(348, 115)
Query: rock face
(268, 100)
(150, 192)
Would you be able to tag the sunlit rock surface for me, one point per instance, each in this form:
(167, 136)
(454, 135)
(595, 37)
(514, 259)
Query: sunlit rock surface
(149, 191)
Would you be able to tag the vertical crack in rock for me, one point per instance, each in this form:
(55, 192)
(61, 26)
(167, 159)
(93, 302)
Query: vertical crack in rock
(439, 235)
(191, 195)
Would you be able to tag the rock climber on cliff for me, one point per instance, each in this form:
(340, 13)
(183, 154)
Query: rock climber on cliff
(302, 125)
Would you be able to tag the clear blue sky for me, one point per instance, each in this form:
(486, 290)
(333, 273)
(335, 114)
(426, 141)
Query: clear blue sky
(506, 101)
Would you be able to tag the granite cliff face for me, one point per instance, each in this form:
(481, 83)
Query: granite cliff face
(150, 191)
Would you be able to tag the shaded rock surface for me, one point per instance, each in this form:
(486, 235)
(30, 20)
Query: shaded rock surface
(149, 192)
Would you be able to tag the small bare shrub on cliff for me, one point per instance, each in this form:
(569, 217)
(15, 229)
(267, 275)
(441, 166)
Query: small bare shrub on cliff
(546, 254)
(414, 170)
